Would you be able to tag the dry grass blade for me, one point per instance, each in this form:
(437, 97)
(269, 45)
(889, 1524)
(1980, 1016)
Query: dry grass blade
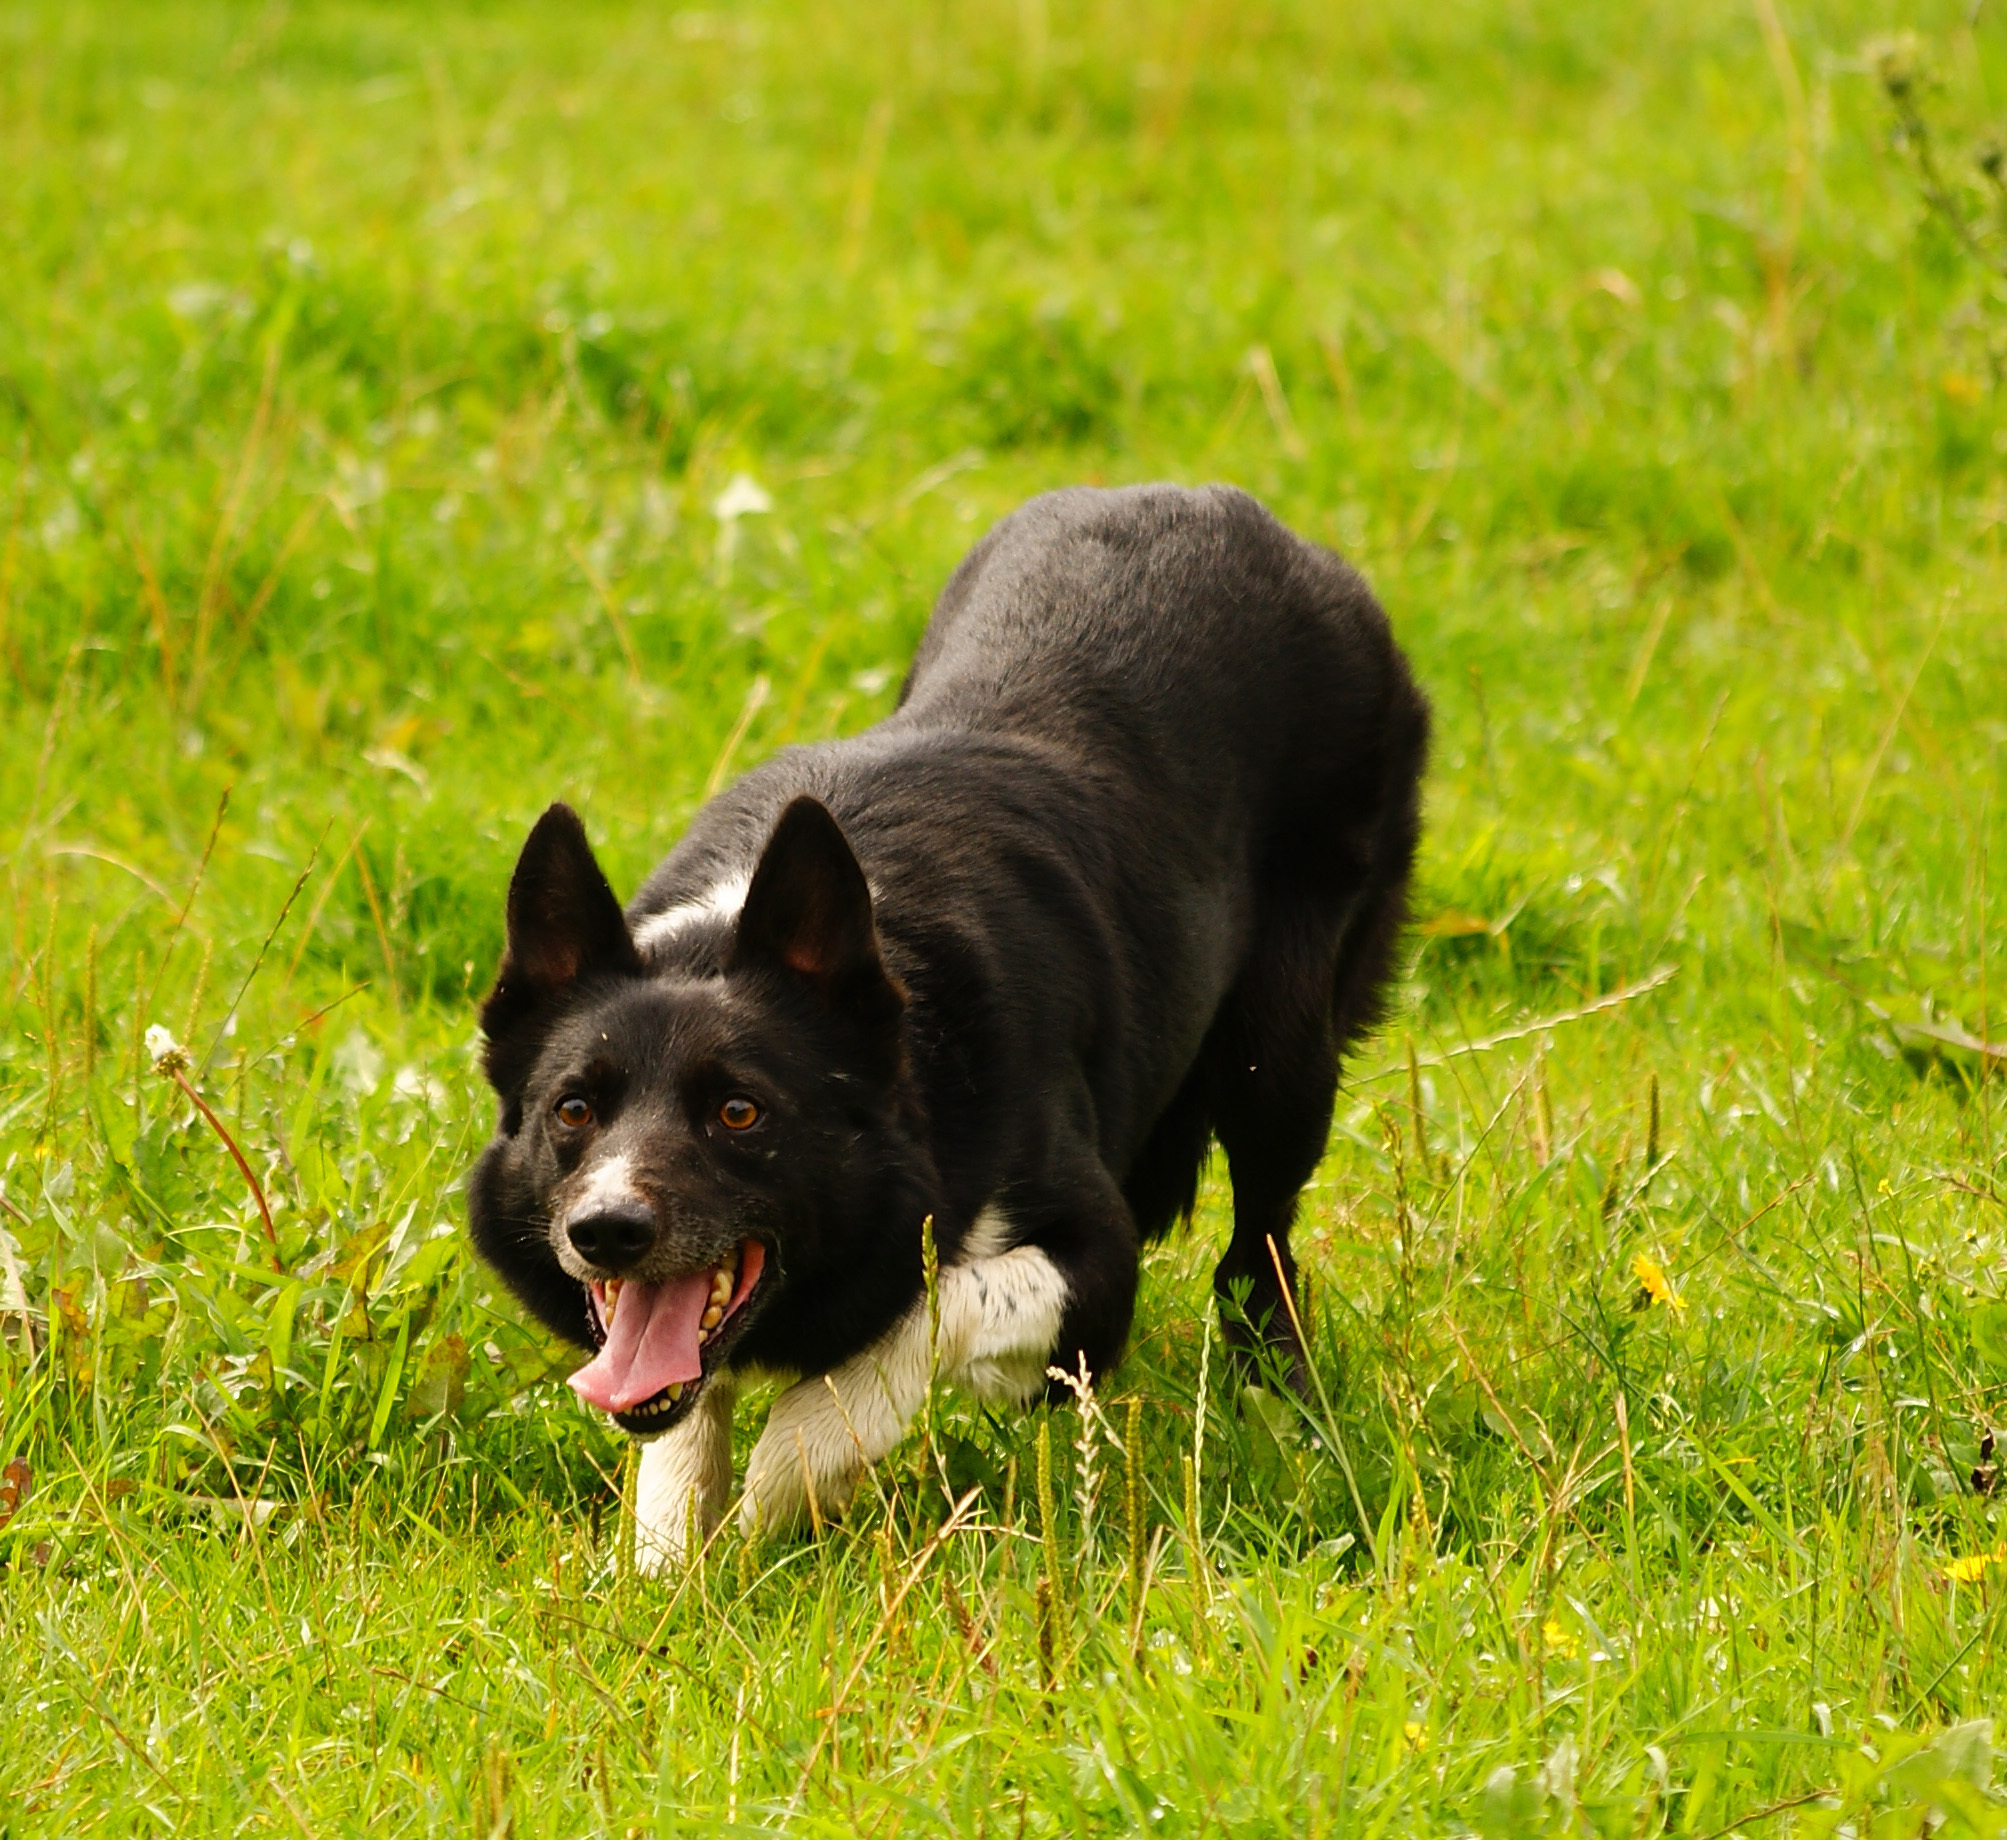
(172, 1066)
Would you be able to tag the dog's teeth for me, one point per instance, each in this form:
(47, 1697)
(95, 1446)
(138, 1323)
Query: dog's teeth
(613, 1288)
(656, 1407)
(659, 1405)
(713, 1316)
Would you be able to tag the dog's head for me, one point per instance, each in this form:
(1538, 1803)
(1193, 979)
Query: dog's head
(675, 1152)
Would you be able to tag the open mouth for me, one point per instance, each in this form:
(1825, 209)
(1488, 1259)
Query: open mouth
(659, 1340)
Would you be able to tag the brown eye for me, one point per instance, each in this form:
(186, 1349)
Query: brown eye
(573, 1112)
(738, 1114)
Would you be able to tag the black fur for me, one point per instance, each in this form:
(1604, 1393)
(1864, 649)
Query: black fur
(1124, 872)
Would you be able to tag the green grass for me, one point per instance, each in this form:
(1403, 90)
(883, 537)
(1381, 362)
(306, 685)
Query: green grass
(368, 377)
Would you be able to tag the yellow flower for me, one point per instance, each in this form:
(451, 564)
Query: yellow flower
(1656, 1287)
(1415, 1735)
(1559, 1641)
(1972, 1567)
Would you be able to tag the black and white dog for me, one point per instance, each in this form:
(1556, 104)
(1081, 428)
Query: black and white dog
(1123, 872)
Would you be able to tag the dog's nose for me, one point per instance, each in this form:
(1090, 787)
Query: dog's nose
(613, 1238)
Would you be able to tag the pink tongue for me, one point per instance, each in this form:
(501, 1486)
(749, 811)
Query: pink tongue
(652, 1344)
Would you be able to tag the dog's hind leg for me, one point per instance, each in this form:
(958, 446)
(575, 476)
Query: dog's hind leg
(684, 1481)
(1315, 982)
(1163, 1182)
(1273, 1057)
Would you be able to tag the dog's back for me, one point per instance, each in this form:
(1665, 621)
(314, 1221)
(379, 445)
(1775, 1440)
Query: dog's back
(1189, 624)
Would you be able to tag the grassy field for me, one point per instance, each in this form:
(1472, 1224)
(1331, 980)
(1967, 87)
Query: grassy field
(376, 390)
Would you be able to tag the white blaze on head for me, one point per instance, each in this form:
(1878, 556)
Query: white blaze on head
(608, 1184)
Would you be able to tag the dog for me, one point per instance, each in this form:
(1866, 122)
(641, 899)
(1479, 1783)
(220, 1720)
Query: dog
(1125, 871)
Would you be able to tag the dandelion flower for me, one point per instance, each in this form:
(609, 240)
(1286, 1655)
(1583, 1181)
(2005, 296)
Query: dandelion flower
(1654, 1285)
(1972, 1568)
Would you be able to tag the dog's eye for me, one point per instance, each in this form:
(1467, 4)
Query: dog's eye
(573, 1112)
(738, 1113)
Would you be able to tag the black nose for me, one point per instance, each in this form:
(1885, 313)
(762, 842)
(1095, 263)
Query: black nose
(614, 1238)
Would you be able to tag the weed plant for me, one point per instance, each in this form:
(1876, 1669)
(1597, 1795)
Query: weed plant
(410, 416)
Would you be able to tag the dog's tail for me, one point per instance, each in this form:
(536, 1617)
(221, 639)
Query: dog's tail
(1366, 957)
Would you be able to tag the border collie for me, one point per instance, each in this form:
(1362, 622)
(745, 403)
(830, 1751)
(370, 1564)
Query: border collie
(1124, 872)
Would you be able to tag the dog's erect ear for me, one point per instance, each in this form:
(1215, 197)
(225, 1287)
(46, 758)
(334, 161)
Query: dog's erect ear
(808, 911)
(564, 923)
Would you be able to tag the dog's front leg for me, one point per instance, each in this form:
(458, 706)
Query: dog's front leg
(999, 1318)
(684, 1481)
(825, 1431)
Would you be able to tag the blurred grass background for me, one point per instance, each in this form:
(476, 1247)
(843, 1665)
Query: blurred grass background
(411, 416)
